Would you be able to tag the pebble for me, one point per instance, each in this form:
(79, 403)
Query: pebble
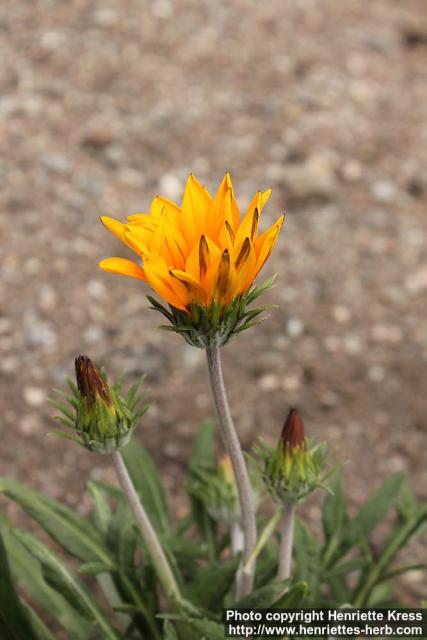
(171, 187)
(55, 163)
(352, 344)
(41, 333)
(96, 289)
(294, 327)
(162, 9)
(269, 382)
(313, 178)
(417, 282)
(376, 373)
(47, 298)
(93, 334)
(386, 334)
(34, 396)
(384, 191)
(341, 314)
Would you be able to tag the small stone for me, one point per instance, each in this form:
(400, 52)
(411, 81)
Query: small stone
(55, 163)
(29, 424)
(105, 17)
(291, 383)
(9, 364)
(162, 9)
(52, 40)
(417, 281)
(384, 191)
(47, 298)
(171, 186)
(376, 373)
(294, 327)
(96, 289)
(352, 344)
(386, 334)
(310, 179)
(131, 177)
(332, 344)
(269, 382)
(93, 334)
(5, 325)
(341, 314)
(351, 171)
(34, 396)
(98, 135)
(41, 333)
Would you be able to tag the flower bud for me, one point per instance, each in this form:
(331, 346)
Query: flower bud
(292, 471)
(103, 421)
(215, 486)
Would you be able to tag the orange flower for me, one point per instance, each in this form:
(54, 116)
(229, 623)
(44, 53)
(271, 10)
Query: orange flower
(197, 254)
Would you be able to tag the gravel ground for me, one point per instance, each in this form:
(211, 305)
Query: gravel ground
(105, 104)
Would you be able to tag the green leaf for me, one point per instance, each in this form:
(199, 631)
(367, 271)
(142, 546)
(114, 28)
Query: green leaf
(169, 632)
(57, 574)
(41, 630)
(210, 585)
(307, 552)
(264, 597)
(203, 452)
(93, 568)
(374, 510)
(401, 533)
(145, 477)
(349, 566)
(70, 530)
(207, 629)
(293, 598)
(14, 620)
(101, 513)
(202, 458)
(27, 572)
(334, 512)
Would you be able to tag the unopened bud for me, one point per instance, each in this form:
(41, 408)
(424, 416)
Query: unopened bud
(104, 421)
(293, 470)
(90, 382)
(293, 433)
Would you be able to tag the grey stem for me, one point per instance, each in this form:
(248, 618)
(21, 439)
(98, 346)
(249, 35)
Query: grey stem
(237, 540)
(285, 557)
(160, 562)
(234, 450)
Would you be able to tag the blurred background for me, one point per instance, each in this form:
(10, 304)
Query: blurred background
(105, 104)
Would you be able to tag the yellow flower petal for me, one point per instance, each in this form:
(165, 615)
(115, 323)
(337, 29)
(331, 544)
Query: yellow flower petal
(117, 228)
(196, 205)
(265, 243)
(163, 283)
(123, 267)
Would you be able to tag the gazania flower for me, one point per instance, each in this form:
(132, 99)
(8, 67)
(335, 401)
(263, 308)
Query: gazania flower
(200, 258)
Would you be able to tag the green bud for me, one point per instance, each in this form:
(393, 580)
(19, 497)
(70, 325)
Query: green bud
(293, 470)
(103, 421)
(215, 486)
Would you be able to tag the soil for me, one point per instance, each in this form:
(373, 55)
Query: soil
(105, 104)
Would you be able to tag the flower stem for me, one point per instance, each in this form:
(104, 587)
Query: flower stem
(237, 541)
(234, 450)
(285, 557)
(160, 562)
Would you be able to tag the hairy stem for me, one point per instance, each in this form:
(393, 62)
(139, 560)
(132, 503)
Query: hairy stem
(234, 450)
(237, 540)
(286, 544)
(160, 562)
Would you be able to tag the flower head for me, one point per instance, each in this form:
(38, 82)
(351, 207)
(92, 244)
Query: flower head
(200, 258)
(293, 470)
(102, 420)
